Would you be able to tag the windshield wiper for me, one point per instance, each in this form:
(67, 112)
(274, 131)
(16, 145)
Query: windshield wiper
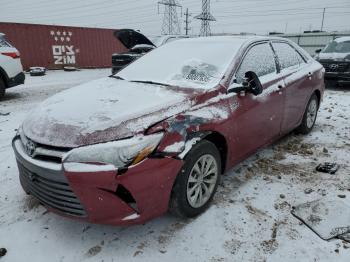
(150, 82)
(117, 77)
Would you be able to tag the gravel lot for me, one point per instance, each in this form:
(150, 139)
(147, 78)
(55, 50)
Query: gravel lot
(250, 219)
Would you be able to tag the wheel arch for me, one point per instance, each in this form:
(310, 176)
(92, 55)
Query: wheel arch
(4, 77)
(221, 144)
(318, 94)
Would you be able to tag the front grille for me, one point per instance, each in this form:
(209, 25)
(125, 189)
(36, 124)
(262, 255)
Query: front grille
(42, 152)
(335, 67)
(53, 191)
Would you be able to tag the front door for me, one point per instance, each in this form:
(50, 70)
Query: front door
(258, 119)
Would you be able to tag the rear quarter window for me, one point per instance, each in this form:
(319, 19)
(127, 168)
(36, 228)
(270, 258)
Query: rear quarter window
(287, 55)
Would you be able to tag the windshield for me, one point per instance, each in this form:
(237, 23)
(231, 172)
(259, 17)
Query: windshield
(195, 63)
(338, 47)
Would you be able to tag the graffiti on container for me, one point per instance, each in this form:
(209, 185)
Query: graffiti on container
(63, 51)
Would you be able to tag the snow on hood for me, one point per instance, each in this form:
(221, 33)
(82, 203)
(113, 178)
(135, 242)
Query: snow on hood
(100, 111)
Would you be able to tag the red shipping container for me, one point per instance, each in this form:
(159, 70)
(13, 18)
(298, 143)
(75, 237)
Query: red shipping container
(54, 46)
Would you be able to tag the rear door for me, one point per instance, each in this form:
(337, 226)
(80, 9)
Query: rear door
(297, 82)
(259, 118)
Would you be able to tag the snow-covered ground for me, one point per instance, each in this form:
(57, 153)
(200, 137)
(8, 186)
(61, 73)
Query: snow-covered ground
(250, 219)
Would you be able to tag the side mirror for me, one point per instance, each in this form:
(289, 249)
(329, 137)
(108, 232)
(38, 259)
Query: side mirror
(317, 51)
(251, 84)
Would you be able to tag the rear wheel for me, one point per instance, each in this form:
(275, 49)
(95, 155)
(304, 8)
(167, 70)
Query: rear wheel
(197, 181)
(310, 116)
(2, 88)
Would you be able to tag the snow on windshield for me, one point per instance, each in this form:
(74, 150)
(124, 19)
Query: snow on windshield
(190, 63)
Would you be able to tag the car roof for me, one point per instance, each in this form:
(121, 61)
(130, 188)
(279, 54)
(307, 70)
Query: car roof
(236, 39)
(342, 39)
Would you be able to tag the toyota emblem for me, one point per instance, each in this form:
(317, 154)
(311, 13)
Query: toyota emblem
(30, 148)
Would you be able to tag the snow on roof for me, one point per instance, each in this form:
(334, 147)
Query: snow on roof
(342, 39)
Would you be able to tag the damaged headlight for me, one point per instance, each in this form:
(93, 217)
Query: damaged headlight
(120, 153)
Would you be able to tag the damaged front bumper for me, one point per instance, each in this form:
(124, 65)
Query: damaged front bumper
(100, 194)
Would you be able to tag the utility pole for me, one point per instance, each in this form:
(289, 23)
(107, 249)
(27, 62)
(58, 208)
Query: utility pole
(171, 25)
(206, 18)
(324, 11)
(187, 22)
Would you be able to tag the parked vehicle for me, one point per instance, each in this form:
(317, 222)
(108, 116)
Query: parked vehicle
(335, 58)
(139, 45)
(11, 70)
(158, 135)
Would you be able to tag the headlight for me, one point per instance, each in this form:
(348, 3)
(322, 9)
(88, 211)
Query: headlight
(120, 153)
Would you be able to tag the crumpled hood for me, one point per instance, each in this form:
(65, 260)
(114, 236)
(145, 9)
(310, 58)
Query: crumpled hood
(331, 56)
(100, 111)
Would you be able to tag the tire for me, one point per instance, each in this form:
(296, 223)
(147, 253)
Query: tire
(310, 116)
(2, 88)
(181, 204)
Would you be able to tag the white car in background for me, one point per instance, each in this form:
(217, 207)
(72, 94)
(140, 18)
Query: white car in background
(11, 70)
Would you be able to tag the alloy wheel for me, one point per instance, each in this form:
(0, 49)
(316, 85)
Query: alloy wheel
(202, 180)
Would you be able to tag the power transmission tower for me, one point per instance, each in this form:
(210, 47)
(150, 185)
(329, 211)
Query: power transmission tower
(187, 22)
(206, 18)
(324, 11)
(171, 25)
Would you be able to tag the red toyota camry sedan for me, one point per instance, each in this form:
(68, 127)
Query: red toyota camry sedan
(157, 136)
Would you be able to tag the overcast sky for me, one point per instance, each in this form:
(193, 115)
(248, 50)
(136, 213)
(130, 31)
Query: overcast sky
(232, 16)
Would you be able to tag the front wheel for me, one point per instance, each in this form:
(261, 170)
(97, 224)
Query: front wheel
(197, 181)
(310, 116)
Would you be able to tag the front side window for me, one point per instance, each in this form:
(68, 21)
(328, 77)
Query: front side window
(259, 59)
(287, 55)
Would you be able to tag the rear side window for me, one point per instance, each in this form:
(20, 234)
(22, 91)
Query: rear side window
(287, 55)
(259, 59)
(3, 42)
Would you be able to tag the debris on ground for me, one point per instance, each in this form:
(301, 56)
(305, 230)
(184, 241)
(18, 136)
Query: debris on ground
(70, 68)
(345, 237)
(330, 168)
(327, 218)
(94, 251)
(3, 252)
(37, 71)
(308, 191)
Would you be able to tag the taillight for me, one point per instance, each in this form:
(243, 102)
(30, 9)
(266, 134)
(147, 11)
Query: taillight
(11, 54)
